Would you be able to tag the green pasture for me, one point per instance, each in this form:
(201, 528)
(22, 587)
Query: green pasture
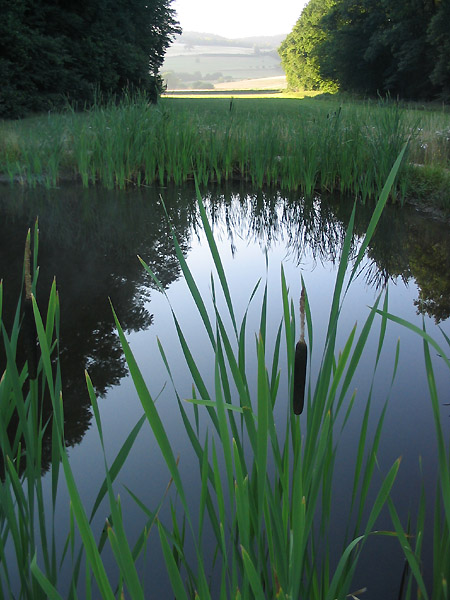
(328, 145)
(237, 66)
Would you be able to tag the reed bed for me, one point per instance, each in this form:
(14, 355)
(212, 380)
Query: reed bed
(303, 145)
(265, 495)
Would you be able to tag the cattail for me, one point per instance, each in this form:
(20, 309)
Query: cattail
(300, 362)
(29, 324)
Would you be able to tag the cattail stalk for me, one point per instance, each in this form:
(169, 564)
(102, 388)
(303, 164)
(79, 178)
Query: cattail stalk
(29, 325)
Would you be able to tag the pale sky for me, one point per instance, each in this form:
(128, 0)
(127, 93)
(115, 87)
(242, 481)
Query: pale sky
(238, 18)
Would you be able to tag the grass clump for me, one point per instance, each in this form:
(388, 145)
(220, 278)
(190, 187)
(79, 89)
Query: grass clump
(306, 145)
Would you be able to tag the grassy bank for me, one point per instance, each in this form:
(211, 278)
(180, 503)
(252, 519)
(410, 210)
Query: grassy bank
(289, 143)
(265, 491)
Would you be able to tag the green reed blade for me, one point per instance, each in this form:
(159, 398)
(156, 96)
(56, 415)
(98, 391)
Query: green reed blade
(371, 463)
(263, 319)
(219, 496)
(172, 568)
(45, 351)
(406, 547)
(426, 337)
(275, 374)
(241, 497)
(151, 412)
(447, 339)
(377, 212)
(223, 429)
(196, 296)
(201, 402)
(241, 353)
(50, 592)
(204, 490)
(116, 536)
(198, 380)
(122, 552)
(92, 554)
(338, 286)
(117, 464)
(382, 495)
(216, 256)
(239, 381)
(51, 313)
(357, 352)
(288, 326)
(444, 462)
(383, 326)
(339, 371)
(253, 577)
(262, 432)
(341, 567)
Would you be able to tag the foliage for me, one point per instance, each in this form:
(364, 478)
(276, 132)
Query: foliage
(52, 52)
(372, 46)
(440, 41)
(297, 50)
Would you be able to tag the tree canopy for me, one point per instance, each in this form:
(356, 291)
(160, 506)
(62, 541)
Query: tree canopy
(54, 50)
(371, 46)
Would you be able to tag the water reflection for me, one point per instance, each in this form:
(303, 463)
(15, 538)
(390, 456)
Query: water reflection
(406, 245)
(90, 239)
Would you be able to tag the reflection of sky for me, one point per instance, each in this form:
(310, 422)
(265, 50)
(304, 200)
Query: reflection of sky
(409, 428)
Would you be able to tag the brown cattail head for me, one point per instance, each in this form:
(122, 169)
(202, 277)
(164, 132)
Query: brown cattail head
(300, 362)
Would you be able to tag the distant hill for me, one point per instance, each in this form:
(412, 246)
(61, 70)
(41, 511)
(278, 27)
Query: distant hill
(194, 38)
(202, 60)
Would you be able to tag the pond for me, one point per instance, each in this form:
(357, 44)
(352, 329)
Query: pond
(90, 239)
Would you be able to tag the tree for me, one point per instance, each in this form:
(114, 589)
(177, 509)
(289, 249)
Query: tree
(297, 50)
(439, 39)
(353, 51)
(53, 50)
(401, 47)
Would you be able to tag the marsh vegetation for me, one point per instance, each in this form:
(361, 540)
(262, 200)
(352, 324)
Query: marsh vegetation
(266, 479)
(306, 145)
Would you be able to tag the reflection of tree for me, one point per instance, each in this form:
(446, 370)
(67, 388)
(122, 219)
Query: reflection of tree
(267, 218)
(404, 245)
(89, 241)
(430, 266)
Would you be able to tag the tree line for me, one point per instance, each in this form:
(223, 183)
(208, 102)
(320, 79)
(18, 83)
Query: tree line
(401, 47)
(54, 51)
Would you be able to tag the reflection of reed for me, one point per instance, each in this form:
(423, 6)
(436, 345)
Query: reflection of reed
(301, 360)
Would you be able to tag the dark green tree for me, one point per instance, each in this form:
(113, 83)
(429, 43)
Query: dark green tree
(298, 49)
(407, 74)
(346, 54)
(439, 40)
(53, 50)
(401, 47)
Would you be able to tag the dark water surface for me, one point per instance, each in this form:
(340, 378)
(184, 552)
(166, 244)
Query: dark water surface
(89, 241)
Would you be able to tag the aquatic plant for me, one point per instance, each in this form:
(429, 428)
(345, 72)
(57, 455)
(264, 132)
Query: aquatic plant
(303, 145)
(266, 496)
